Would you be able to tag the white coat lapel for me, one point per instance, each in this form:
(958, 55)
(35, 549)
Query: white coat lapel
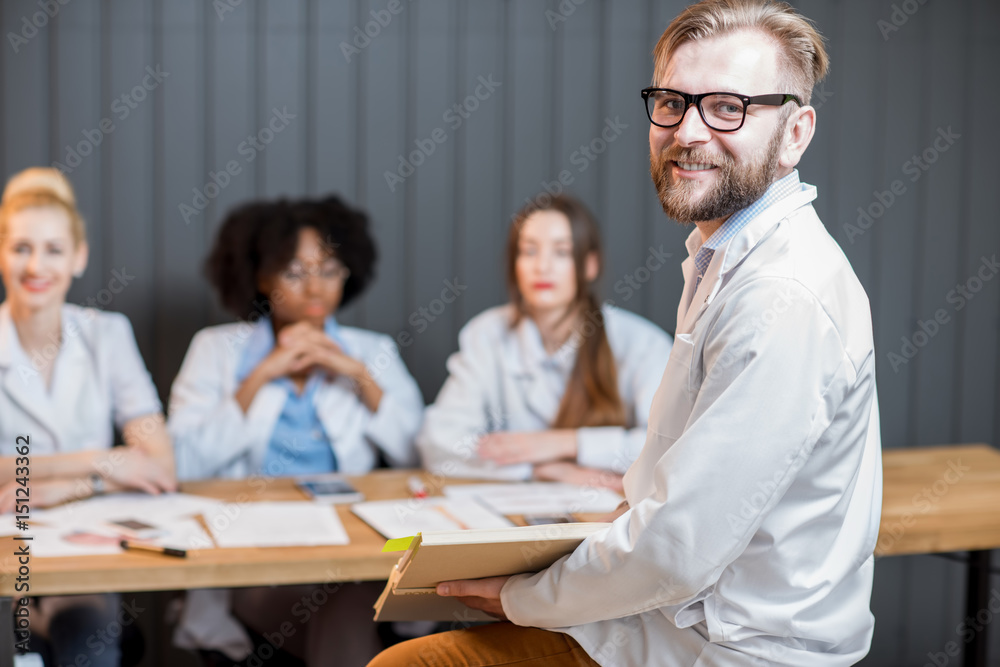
(730, 255)
(526, 355)
(706, 289)
(688, 271)
(337, 406)
(762, 225)
(263, 416)
(22, 384)
(76, 391)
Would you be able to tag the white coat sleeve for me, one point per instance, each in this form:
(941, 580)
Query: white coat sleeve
(462, 413)
(394, 424)
(132, 390)
(770, 388)
(208, 427)
(615, 448)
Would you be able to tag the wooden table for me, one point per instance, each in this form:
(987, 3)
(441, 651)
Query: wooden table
(941, 500)
(935, 500)
(362, 559)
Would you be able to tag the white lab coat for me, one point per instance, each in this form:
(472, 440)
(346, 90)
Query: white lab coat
(99, 382)
(502, 379)
(755, 502)
(214, 438)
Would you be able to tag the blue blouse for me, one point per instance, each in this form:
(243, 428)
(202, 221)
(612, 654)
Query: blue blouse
(298, 445)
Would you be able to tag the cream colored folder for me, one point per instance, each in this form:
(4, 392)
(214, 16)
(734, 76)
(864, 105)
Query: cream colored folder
(470, 554)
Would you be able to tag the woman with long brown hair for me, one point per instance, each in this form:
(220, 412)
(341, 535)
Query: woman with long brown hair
(553, 385)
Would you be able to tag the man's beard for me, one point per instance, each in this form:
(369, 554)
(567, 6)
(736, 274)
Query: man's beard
(738, 185)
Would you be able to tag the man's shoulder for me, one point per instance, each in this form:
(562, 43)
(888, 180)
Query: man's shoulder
(801, 249)
(800, 257)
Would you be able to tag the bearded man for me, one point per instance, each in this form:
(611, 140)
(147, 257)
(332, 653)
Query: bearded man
(754, 505)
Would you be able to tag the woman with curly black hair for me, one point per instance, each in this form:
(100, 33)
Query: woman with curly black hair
(289, 391)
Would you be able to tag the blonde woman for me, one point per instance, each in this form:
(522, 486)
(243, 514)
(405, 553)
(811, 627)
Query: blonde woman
(68, 376)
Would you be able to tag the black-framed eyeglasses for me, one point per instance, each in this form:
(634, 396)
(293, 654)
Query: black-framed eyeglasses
(723, 112)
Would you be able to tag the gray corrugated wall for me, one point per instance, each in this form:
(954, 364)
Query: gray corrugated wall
(889, 94)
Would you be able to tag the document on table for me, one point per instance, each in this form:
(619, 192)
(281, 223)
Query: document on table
(276, 524)
(537, 497)
(96, 526)
(98, 539)
(409, 516)
(125, 506)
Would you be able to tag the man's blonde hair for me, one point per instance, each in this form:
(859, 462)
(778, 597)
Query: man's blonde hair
(802, 56)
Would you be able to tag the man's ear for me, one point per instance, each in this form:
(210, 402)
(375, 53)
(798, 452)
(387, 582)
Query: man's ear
(798, 133)
(592, 267)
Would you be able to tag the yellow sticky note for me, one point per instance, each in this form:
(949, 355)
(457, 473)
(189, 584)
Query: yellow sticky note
(398, 544)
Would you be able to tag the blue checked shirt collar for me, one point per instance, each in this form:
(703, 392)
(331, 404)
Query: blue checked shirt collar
(776, 192)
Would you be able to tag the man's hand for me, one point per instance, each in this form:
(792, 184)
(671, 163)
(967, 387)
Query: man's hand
(505, 447)
(481, 594)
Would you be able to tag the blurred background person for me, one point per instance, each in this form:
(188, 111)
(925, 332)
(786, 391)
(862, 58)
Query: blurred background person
(289, 391)
(553, 385)
(68, 377)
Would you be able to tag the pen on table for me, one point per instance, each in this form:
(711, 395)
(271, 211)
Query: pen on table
(166, 551)
(417, 487)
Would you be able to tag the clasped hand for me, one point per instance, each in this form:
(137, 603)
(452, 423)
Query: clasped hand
(302, 348)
